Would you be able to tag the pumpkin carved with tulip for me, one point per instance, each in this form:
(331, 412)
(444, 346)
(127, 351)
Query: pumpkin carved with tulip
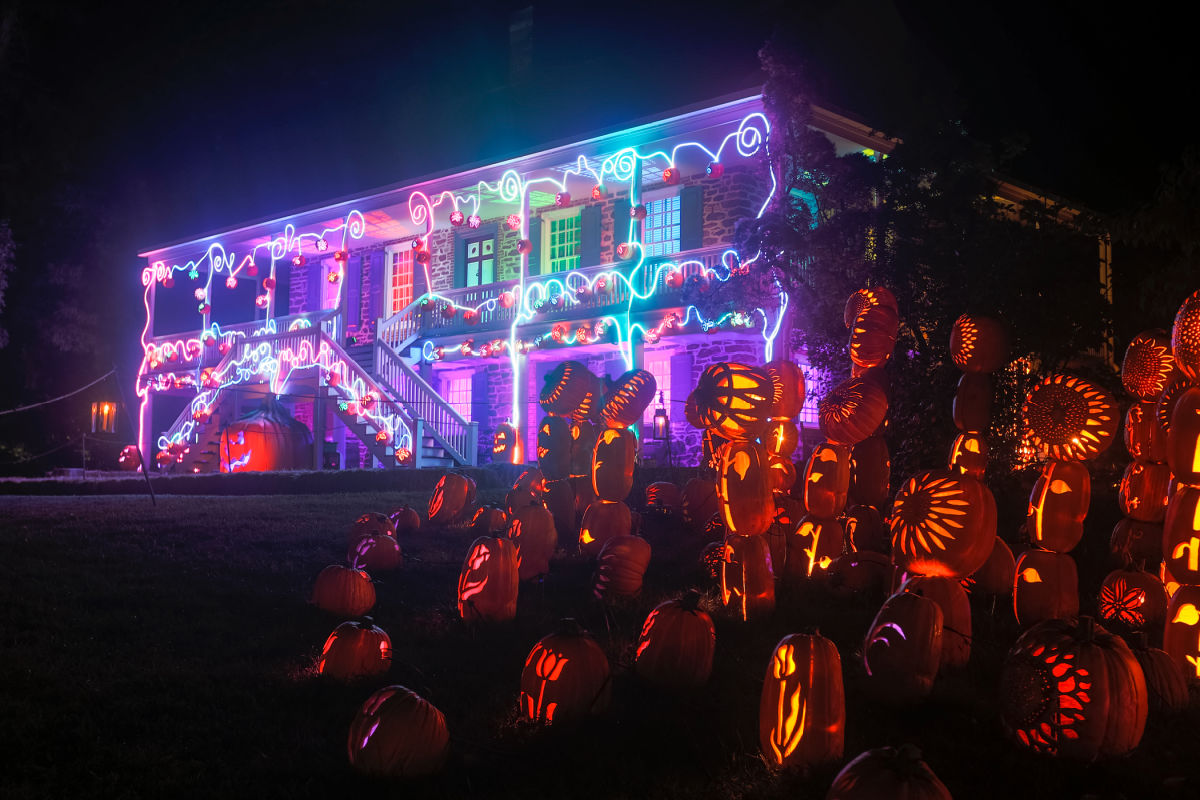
(566, 677)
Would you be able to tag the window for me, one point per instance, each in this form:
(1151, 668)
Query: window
(399, 281)
(660, 230)
(659, 365)
(456, 390)
(481, 261)
(560, 232)
(815, 387)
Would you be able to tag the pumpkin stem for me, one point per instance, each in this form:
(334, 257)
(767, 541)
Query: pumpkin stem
(690, 601)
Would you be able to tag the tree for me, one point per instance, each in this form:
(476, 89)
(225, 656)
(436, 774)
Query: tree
(925, 222)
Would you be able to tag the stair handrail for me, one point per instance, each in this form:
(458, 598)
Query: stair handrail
(456, 435)
(402, 329)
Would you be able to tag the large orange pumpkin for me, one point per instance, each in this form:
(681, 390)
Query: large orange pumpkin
(735, 399)
(744, 488)
(603, 520)
(1185, 337)
(1183, 440)
(1148, 365)
(978, 343)
(1181, 535)
(375, 553)
(554, 447)
(1069, 419)
(450, 499)
(1181, 640)
(371, 524)
(489, 581)
(355, 650)
(566, 677)
(343, 591)
(1132, 600)
(1143, 493)
(398, 734)
(627, 400)
(676, 646)
(1045, 586)
(620, 567)
(504, 444)
(268, 438)
(1058, 505)
(612, 464)
(802, 711)
(827, 480)
(951, 597)
(866, 298)
(787, 381)
(782, 438)
(903, 647)
(873, 335)
(532, 532)
(566, 389)
(747, 579)
(1145, 437)
(1165, 682)
(942, 524)
(852, 411)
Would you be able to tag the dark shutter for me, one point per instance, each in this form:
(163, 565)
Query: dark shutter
(283, 289)
(316, 279)
(460, 262)
(589, 236)
(420, 285)
(375, 285)
(535, 238)
(621, 207)
(691, 217)
(681, 386)
(353, 301)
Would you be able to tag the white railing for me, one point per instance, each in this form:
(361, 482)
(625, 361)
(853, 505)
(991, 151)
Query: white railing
(425, 407)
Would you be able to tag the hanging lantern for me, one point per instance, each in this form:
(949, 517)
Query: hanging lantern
(231, 282)
(322, 245)
(268, 283)
(252, 270)
(341, 257)
(624, 250)
(474, 221)
(457, 218)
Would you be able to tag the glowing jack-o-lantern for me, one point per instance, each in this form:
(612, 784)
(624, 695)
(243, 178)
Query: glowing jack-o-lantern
(811, 548)
(488, 582)
(866, 298)
(781, 438)
(744, 488)
(903, 647)
(627, 400)
(375, 553)
(1072, 689)
(951, 597)
(1183, 440)
(268, 438)
(567, 388)
(735, 399)
(343, 591)
(532, 532)
(873, 335)
(1069, 419)
(1045, 586)
(554, 447)
(676, 646)
(488, 521)
(942, 524)
(827, 480)
(1143, 494)
(747, 578)
(1058, 505)
(612, 464)
(1148, 365)
(1164, 407)
(1181, 535)
(969, 455)
(1185, 337)
(620, 567)
(355, 650)
(978, 343)
(566, 677)
(398, 734)
(603, 520)
(852, 411)
(504, 444)
(1145, 437)
(972, 408)
(787, 381)
(664, 496)
(450, 499)
(1181, 640)
(1132, 600)
(802, 712)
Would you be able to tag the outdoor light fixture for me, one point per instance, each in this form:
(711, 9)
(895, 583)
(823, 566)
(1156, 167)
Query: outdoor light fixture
(104, 417)
(662, 424)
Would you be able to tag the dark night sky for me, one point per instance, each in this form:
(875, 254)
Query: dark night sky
(175, 119)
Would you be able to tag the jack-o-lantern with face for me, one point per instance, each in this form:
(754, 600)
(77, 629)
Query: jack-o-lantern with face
(972, 408)
(903, 647)
(1183, 441)
(612, 464)
(488, 582)
(942, 524)
(969, 455)
(1045, 586)
(1145, 437)
(628, 399)
(566, 677)
(827, 480)
(504, 444)
(802, 712)
(811, 548)
(1143, 494)
(1148, 365)
(1181, 535)
(371, 524)
(735, 400)
(1132, 600)
(747, 578)
(1181, 640)
(1058, 505)
(1069, 419)
(554, 447)
(744, 488)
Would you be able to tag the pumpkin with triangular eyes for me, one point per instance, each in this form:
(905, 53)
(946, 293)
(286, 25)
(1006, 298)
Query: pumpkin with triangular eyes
(504, 444)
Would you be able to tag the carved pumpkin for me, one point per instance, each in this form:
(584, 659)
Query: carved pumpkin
(1072, 689)
(735, 399)
(268, 438)
(865, 531)
(371, 524)
(1134, 541)
(811, 548)
(852, 411)
(583, 443)
(488, 521)
(603, 520)
(504, 444)
(888, 772)
(1132, 600)
(782, 438)
(903, 647)
(1148, 365)
(375, 553)
(1045, 586)
(950, 596)
(969, 456)
(405, 520)
(1181, 535)
(566, 388)
(1165, 406)
(398, 734)
(744, 489)
(712, 558)
(870, 472)
(996, 575)
(978, 343)
(343, 591)
(852, 573)
(676, 646)
(1058, 505)
(664, 496)
(355, 650)
(866, 298)
(1181, 641)
(787, 381)
(612, 464)
(827, 480)
(788, 513)
(1166, 685)
(873, 335)
(691, 412)
(628, 399)
(1069, 419)
(1143, 494)
(532, 482)
(1145, 437)
(942, 524)
(1185, 337)
(450, 498)
(532, 532)
(700, 501)
(559, 500)
(781, 474)
(1183, 441)
(585, 494)
(972, 409)
(554, 447)
(489, 580)
(747, 579)
(802, 712)
(566, 677)
(1168, 579)
(620, 567)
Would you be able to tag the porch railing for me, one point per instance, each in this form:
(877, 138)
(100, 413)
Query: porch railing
(431, 415)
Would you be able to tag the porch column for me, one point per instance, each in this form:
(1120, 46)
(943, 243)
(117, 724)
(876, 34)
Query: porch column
(319, 425)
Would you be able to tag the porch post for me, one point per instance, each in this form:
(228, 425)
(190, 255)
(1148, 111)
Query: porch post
(319, 425)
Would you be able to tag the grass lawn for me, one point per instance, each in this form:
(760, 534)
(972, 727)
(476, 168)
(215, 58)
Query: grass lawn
(169, 652)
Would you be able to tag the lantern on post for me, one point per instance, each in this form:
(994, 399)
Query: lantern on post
(662, 423)
(104, 417)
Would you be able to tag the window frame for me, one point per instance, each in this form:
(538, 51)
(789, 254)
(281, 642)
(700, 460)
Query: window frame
(480, 238)
(447, 380)
(671, 192)
(545, 259)
(392, 255)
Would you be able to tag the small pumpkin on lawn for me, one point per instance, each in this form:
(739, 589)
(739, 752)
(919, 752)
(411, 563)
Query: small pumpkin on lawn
(405, 520)
(888, 773)
(676, 646)
(375, 553)
(566, 677)
(603, 520)
(355, 650)
(802, 710)
(343, 591)
(489, 581)
(371, 524)
(398, 734)
(620, 567)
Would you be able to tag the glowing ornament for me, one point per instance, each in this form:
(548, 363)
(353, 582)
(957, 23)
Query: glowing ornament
(671, 176)
(231, 282)
(715, 169)
(268, 283)
(299, 260)
(252, 269)
(204, 308)
(322, 245)
(506, 299)
(262, 300)
(223, 348)
(524, 246)
(457, 218)
(474, 221)
(598, 191)
(200, 293)
(193, 273)
(638, 212)
(341, 257)
(168, 282)
(334, 276)
(562, 199)
(673, 279)
(398, 734)
(513, 221)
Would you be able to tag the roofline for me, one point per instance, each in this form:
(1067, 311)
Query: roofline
(668, 118)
